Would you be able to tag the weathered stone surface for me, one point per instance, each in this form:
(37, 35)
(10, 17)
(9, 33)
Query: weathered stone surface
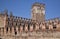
(41, 35)
(13, 27)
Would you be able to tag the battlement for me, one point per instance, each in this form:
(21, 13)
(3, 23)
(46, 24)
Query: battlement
(38, 4)
(20, 24)
(14, 27)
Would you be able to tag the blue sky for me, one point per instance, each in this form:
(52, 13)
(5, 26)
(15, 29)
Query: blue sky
(22, 8)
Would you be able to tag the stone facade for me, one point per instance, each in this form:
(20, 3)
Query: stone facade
(13, 27)
(38, 12)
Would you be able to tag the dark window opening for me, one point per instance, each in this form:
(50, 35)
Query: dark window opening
(47, 27)
(0, 38)
(23, 27)
(54, 26)
(15, 33)
(33, 26)
(28, 26)
(7, 29)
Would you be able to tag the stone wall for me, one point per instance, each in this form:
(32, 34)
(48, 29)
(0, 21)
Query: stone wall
(33, 35)
(18, 28)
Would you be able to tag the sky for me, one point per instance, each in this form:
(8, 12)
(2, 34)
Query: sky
(22, 8)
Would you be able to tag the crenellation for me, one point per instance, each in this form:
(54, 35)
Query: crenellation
(14, 27)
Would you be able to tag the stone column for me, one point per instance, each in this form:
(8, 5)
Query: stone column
(37, 27)
(5, 31)
(31, 28)
(17, 30)
(42, 26)
(21, 28)
(13, 31)
(58, 27)
(1, 31)
(5, 23)
(8, 30)
(50, 27)
(26, 27)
